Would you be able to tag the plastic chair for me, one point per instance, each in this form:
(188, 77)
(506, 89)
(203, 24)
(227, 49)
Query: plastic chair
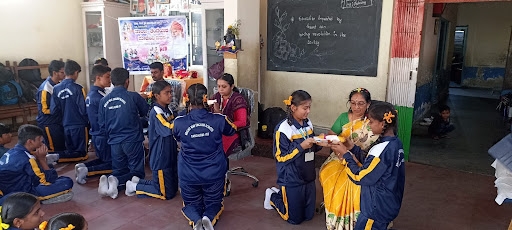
(246, 139)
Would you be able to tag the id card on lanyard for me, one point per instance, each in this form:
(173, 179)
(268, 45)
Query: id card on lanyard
(310, 155)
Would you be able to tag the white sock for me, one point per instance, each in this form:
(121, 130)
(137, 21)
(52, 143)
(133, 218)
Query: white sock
(207, 224)
(52, 158)
(275, 189)
(198, 225)
(266, 203)
(103, 186)
(78, 166)
(112, 187)
(81, 175)
(131, 187)
(135, 179)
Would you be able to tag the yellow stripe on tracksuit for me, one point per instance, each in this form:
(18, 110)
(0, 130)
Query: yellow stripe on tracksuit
(164, 121)
(299, 136)
(53, 195)
(50, 140)
(44, 103)
(231, 123)
(162, 188)
(369, 224)
(38, 172)
(285, 215)
(375, 161)
(101, 172)
(64, 160)
(280, 158)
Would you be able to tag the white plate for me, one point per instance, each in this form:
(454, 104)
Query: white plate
(211, 102)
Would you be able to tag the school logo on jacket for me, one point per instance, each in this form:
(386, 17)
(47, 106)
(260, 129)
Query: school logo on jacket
(114, 99)
(197, 125)
(65, 93)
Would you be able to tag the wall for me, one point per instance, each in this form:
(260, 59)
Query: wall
(489, 26)
(329, 92)
(429, 82)
(48, 29)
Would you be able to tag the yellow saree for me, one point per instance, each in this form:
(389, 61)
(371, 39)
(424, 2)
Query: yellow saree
(342, 196)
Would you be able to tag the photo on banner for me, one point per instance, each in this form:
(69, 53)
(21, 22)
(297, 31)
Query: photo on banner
(145, 40)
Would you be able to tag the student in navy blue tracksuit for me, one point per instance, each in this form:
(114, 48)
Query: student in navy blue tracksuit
(103, 164)
(294, 151)
(201, 160)
(119, 114)
(49, 118)
(382, 176)
(24, 169)
(163, 149)
(69, 98)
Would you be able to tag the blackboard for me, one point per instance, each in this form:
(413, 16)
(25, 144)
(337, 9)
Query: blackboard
(324, 36)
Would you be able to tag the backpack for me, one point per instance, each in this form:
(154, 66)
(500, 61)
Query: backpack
(10, 93)
(32, 76)
(268, 122)
(5, 75)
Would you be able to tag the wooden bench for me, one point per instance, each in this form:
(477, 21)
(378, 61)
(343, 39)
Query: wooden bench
(24, 110)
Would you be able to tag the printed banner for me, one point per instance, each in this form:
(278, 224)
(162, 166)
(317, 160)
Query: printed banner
(145, 40)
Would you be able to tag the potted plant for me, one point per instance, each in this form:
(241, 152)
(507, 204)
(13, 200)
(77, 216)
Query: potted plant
(233, 33)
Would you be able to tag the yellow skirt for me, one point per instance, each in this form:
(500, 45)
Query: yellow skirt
(341, 195)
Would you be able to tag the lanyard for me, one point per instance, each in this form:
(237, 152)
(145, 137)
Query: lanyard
(303, 133)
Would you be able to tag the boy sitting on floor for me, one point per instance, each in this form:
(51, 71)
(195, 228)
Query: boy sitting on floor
(441, 126)
(24, 169)
(5, 138)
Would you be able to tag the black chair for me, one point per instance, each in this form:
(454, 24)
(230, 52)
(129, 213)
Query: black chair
(246, 139)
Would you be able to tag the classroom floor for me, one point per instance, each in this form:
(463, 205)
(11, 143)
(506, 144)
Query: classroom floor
(435, 198)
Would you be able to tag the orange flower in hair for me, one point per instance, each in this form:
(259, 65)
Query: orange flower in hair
(69, 227)
(288, 102)
(185, 98)
(388, 117)
(205, 98)
(150, 94)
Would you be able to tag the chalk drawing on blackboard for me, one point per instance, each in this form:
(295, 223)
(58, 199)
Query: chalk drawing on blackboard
(354, 4)
(283, 49)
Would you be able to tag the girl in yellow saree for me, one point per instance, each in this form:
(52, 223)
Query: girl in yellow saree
(341, 196)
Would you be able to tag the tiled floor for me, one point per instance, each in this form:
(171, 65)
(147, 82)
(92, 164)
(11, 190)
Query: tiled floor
(435, 198)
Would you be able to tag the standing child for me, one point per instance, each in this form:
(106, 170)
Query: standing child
(441, 126)
(24, 169)
(103, 164)
(163, 149)
(21, 211)
(382, 176)
(201, 159)
(70, 99)
(294, 150)
(119, 115)
(5, 138)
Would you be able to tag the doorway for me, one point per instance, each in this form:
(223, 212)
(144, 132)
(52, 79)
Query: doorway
(459, 43)
(439, 81)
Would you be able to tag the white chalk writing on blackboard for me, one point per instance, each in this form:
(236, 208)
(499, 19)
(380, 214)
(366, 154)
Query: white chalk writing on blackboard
(283, 49)
(354, 4)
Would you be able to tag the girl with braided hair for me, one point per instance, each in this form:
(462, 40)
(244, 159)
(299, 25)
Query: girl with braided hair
(382, 174)
(201, 159)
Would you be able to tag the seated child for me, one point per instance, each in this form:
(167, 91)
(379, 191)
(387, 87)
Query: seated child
(5, 138)
(24, 169)
(201, 159)
(66, 220)
(21, 211)
(294, 150)
(441, 126)
(163, 149)
(103, 164)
